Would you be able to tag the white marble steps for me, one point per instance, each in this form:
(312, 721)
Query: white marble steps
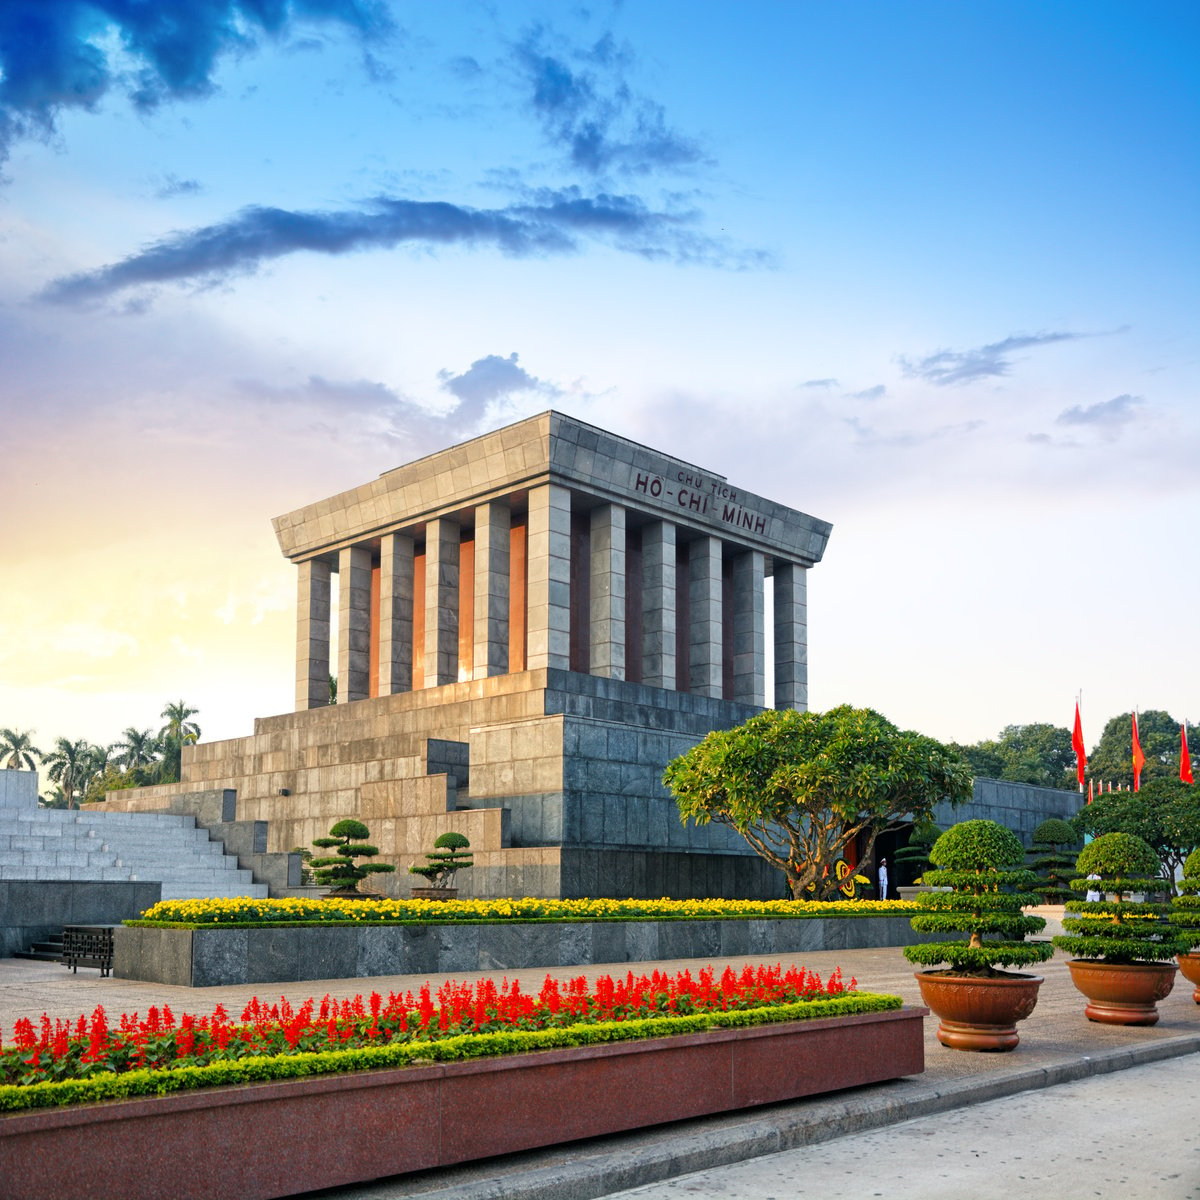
(166, 847)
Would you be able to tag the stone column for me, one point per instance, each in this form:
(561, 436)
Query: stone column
(549, 571)
(354, 623)
(441, 602)
(704, 598)
(791, 636)
(749, 628)
(606, 634)
(493, 523)
(658, 604)
(395, 613)
(312, 635)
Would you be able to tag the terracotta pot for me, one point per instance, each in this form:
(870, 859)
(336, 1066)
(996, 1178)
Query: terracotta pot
(1122, 993)
(978, 1012)
(433, 893)
(1189, 968)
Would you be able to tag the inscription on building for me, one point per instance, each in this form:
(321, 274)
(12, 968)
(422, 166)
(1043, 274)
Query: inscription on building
(711, 498)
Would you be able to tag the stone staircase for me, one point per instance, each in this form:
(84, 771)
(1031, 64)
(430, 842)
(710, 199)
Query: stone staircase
(58, 844)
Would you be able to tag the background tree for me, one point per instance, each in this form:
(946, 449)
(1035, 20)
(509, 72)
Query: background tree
(1039, 754)
(1112, 758)
(1165, 814)
(177, 726)
(1052, 857)
(174, 735)
(912, 860)
(68, 766)
(138, 747)
(18, 751)
(801, 787)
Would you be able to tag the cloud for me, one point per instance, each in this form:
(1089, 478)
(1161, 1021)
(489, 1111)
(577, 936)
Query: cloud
(493, 378)
(590, 111)
(910, 439)
(872, 393)
(1107, 416)
(172, 186)
(819, 383)
(983, 362)
(55, 55)
(553, 225)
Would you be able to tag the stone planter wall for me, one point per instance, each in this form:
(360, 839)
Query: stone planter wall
(287, 954)
(279, 1139)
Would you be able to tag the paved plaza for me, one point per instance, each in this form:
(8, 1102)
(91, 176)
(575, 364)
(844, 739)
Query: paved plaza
(1150, 1077)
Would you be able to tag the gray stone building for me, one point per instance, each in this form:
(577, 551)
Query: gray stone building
(529, 626)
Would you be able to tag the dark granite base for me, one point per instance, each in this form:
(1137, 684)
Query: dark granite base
(287, 954)
(33, 909)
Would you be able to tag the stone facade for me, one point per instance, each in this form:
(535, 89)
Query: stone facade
(529, 627)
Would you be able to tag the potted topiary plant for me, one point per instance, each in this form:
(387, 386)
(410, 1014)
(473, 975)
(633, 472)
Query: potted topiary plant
(1053, 859)
(447, 856)
(1185, 913)
(1122, 946)
(339, 871)
(982, 865)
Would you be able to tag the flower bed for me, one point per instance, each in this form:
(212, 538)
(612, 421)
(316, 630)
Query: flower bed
(636, 1052)
(55, 1063)
(249, 913)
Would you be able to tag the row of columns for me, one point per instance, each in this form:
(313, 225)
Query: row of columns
(548, 608)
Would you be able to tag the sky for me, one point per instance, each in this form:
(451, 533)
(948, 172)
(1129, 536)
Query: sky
(926, 271)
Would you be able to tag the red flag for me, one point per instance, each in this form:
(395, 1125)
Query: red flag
(1139, 759)
(1091, 782)
(1078, 746)
(1185, 759)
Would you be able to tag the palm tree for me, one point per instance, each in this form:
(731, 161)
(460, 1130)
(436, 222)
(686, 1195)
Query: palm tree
(178, 728)
(138, 747)
(68, 765)
(18, 748)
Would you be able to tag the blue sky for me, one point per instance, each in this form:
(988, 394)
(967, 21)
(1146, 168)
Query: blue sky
(927, 271)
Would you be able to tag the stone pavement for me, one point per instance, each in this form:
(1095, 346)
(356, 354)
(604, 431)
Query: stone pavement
(1058, 1045)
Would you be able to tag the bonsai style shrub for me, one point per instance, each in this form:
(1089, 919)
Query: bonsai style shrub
(915, 856)
(1121, 945)
(339, 871)
(1049, 857)
(982, 863)
(1185, 912)
(1119, 930)
(447, 856)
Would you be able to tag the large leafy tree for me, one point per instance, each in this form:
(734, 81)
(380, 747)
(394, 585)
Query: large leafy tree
(1158, 733)
(801, 787)
(68, 765)
(1039, 754)
(1165, 814)
(17, 750)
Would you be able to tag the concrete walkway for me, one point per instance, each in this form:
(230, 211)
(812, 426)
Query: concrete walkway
(1058, 1045)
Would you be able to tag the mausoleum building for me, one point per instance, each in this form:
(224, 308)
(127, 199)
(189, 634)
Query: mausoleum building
(525, 629)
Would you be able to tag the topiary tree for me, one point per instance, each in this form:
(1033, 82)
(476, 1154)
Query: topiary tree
(803, 787)
(983, 863)
(1185, 908)
(1120, 930)
(1185, 913)
(447, 856)
(339, 870)
(1048, 856)
(914, 857)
